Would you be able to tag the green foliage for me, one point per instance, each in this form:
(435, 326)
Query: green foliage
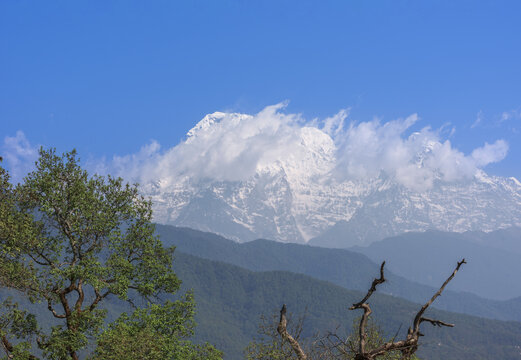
(70, 241)
(155, 332)
(16, 328)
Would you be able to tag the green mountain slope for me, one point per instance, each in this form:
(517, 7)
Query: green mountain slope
(231, 299)
(345, 268)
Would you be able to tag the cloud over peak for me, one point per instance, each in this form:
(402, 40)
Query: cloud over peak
(234, 147)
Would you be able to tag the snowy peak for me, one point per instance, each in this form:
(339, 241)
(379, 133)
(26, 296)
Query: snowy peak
(515, 181)
(313, 156)
(208, 123)
(271, 175)
(205, 123)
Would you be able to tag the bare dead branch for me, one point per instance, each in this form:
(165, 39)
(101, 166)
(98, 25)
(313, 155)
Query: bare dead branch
(417, 319)
(361, 329)
(414, 333)
(407, 346)
(370, 292)
(436, 322)
(367, 310)
(282, 330)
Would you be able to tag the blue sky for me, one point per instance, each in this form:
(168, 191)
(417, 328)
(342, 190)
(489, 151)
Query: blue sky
(108, 77)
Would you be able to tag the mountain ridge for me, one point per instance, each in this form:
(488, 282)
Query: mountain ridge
(494, 259)
(300, 196)
(344, 268)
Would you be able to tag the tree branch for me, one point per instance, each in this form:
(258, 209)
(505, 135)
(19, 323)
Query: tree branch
(367, 310)
(436, 322)
(283, 331)
(418, 318)
(54, 313)
(409, 345)
(8, 347)
(375, 283)
(81, 295)
(98, 298)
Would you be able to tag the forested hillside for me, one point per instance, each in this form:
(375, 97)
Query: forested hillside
(230, 301)
(342, 267)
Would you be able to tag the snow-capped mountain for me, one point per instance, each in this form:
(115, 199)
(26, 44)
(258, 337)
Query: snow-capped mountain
(296, 196)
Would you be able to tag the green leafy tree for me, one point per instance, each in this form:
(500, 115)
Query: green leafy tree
(70, 241)
(157, 332)
(16, 324)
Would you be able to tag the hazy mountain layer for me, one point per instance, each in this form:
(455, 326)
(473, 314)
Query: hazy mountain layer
(345, 268)
(493, 265)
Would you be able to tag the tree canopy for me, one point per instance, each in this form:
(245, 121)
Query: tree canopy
(69, 241)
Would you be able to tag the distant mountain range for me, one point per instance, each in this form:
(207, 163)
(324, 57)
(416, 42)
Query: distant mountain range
(345, 268)
(230, 299)
(297, 199)
(494, 259)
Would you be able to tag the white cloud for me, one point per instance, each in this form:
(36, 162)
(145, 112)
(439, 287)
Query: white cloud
(19, 155)
(497, 120)
(490, 153)
(369, 148)
(230, 146)
(506, 116)
(334, 125)
(509, 115)
(222, 147)
(136, 166)
(479, 119)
